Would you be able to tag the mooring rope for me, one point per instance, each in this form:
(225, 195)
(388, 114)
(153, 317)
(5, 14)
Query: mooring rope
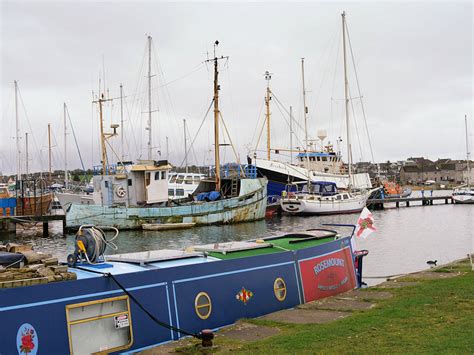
(152, 317)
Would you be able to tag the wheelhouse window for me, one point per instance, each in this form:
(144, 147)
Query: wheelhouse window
(180, 179)
(157, 175)
(129, 182)
(179, 192)
(170, 192)
(173, 179)
(188, 180)
(163, 175)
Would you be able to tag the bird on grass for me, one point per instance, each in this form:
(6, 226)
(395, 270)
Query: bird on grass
(432, 263)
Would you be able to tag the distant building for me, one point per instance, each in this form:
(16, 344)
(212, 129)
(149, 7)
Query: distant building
(419, 170)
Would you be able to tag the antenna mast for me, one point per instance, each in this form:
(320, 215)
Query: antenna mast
(268, 77)
(49, 151)
(305, 108)
(121, 120)
(149, 98)
(468, 155)
(18, 151)
(346, 97)
(66, 178)
(185, 147)
(26, 149)
(216, 115)
(291, 135)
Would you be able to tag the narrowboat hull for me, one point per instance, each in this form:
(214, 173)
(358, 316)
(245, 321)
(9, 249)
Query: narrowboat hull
(170, 294)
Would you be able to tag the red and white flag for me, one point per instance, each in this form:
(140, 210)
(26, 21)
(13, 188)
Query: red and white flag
(365, 224)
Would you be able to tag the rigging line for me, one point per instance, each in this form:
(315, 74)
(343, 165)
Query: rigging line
(258, 122)
(325, 71)
(29, 125)
(355, 125)
(279, 106)
(287, 112)
(261, 132)
(75, 140)
(199, 129)
(360, 94)
(232, 144)
(131, 127)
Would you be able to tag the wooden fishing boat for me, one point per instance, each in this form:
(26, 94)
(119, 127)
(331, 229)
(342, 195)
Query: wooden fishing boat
(129, 195)
(131, 302)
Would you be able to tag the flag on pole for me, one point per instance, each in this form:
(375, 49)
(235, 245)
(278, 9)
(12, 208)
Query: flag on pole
(365, 224)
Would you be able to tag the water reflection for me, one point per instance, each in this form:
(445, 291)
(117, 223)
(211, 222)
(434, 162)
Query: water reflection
(406, 237)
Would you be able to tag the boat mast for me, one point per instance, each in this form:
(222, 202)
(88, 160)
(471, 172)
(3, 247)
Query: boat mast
(268, 76)
(216, 116)
(18, 151)
(66, 179)
(26, 151)
(185, 147)
(291, 135)
(305, 109)
(49, 151)
(121, 120)
(346, 99)
(468, 154)
(102, 137)
(149, 98)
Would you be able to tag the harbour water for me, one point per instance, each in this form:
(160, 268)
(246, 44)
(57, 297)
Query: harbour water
(406, 238)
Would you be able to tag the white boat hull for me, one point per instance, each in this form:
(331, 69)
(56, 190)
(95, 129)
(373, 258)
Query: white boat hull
(323, 206)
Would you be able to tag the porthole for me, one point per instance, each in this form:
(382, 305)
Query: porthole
(279, 287)
(203, 305)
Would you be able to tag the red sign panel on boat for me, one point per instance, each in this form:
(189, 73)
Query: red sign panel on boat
(328, 275)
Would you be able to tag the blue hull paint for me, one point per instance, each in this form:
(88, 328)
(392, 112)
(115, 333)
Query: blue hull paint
(168, 293)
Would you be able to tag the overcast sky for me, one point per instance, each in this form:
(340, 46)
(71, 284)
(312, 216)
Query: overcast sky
(414, 63)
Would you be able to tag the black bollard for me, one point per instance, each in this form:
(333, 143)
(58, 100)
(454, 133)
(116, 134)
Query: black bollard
(206, 337)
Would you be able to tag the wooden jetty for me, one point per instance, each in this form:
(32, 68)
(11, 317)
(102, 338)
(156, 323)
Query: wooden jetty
(8, 223)
(378, 203)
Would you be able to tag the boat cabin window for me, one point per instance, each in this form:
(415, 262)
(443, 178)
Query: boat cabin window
(99, 326)
(157, 175)
(197, 179)
(106, 184)
(345, 197)
(311, 158)
(180, 179)
(324, 158)
(163, 175)
(203, 305)
(319, 158)
(179, 192)
(129, 182)
(170, 192)
(188, 180)
(338, 197)
(173, 178)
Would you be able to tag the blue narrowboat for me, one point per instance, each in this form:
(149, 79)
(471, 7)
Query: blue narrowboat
(126, 303)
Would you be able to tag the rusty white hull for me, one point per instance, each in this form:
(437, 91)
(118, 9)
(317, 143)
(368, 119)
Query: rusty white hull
(249, 206)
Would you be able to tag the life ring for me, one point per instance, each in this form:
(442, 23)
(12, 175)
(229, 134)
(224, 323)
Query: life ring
(120, 191)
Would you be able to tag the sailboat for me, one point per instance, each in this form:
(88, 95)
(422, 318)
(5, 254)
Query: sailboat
(128, 196)
(31, 196)
(465, 194)
(322, 197)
